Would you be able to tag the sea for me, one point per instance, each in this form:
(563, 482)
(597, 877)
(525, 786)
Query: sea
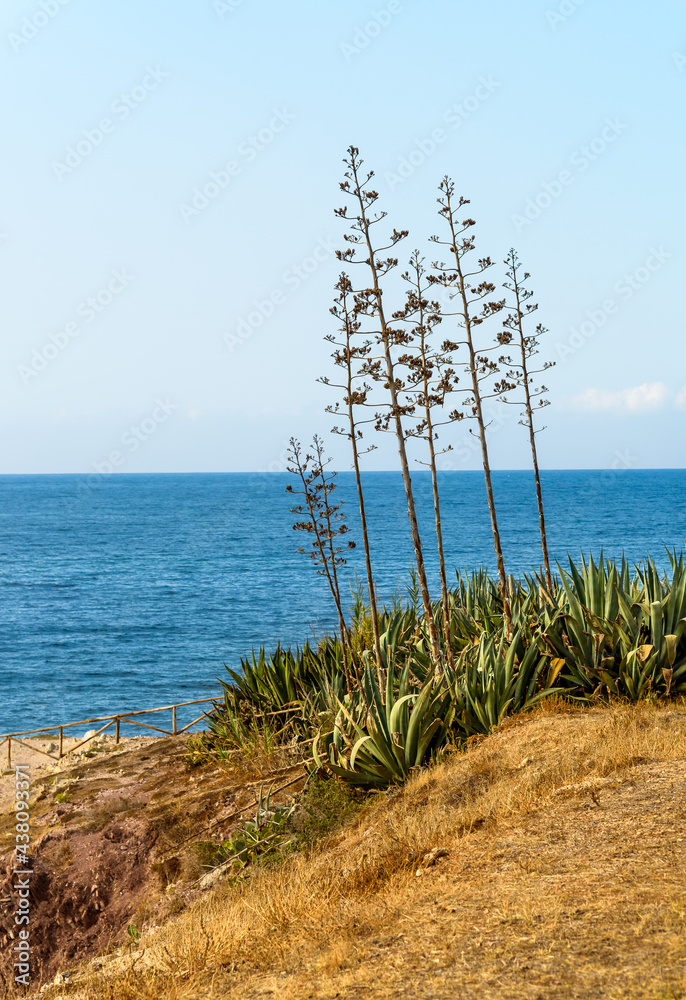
(127, 592)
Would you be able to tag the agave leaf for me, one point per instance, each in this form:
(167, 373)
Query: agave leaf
(556, 665)
(315, 747)
(540, 695)
(370, 778)
(644, 652)
(412, 737)
(424, 743)
(656, 623)
(398, 710)
(679, 669)
(356, 749)
(671, 642)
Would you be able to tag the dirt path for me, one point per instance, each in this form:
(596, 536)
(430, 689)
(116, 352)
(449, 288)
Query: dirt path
(35, 750)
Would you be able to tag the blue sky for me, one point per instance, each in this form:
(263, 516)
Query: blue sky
(134, 305)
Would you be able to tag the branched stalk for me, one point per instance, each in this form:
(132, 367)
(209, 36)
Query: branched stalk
(478, 366)
(315, 490)
(425, 373)
(365, 199)
(327, 486)
(522, 376)
(355, 395)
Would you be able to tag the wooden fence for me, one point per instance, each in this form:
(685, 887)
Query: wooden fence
(109, 720)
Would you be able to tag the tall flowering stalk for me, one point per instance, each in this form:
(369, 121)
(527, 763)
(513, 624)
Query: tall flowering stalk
(471, 293)
(430, 378)
(349, 355)
(325, 522)
(369, 303)
(522, 374)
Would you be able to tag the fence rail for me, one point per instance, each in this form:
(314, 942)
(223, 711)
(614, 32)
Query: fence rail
(109, 720)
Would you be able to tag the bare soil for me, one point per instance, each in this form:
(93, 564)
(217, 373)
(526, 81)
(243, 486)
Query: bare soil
(113, 831)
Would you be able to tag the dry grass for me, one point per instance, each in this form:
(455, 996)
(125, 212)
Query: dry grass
(565, 878)
(259, 749)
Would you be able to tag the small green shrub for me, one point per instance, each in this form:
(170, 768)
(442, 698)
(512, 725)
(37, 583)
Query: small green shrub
(276, 832)
(324, 806)
(207, 853)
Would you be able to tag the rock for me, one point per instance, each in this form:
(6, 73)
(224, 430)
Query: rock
(90, 734)
(590, 785)
(51, 747)
(432, 857)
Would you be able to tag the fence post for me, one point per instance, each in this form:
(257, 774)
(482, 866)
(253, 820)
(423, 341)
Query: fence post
(174, 720)
(116, 732)
(61, 742)
(9, 751)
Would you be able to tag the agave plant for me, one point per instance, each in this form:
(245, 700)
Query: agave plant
(491, 680)
(267, 831)
(377, 741)
(603, 630)
(648, 658)
(618, 633)
(268, 682)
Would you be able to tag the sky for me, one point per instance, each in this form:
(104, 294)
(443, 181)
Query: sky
(167, 236)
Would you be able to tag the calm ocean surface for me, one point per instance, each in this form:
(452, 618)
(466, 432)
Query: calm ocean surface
(132, 591)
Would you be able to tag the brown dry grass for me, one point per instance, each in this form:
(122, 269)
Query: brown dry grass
(564, 879)
(262, 747)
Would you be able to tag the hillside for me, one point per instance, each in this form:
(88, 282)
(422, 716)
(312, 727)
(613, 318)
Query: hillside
(115, 835)
(563, 876)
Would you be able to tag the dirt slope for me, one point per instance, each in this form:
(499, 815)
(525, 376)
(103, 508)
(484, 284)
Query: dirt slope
(564, 877)
(546, 861)
(586, 899)
(112, 835)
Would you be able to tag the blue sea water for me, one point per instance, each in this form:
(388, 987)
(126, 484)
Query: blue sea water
(131, 591)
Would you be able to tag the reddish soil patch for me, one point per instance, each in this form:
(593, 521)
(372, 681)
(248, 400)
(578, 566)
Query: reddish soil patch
(112, 844)
(82, 908)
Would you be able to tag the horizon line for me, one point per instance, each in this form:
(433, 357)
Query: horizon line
(281, 472)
